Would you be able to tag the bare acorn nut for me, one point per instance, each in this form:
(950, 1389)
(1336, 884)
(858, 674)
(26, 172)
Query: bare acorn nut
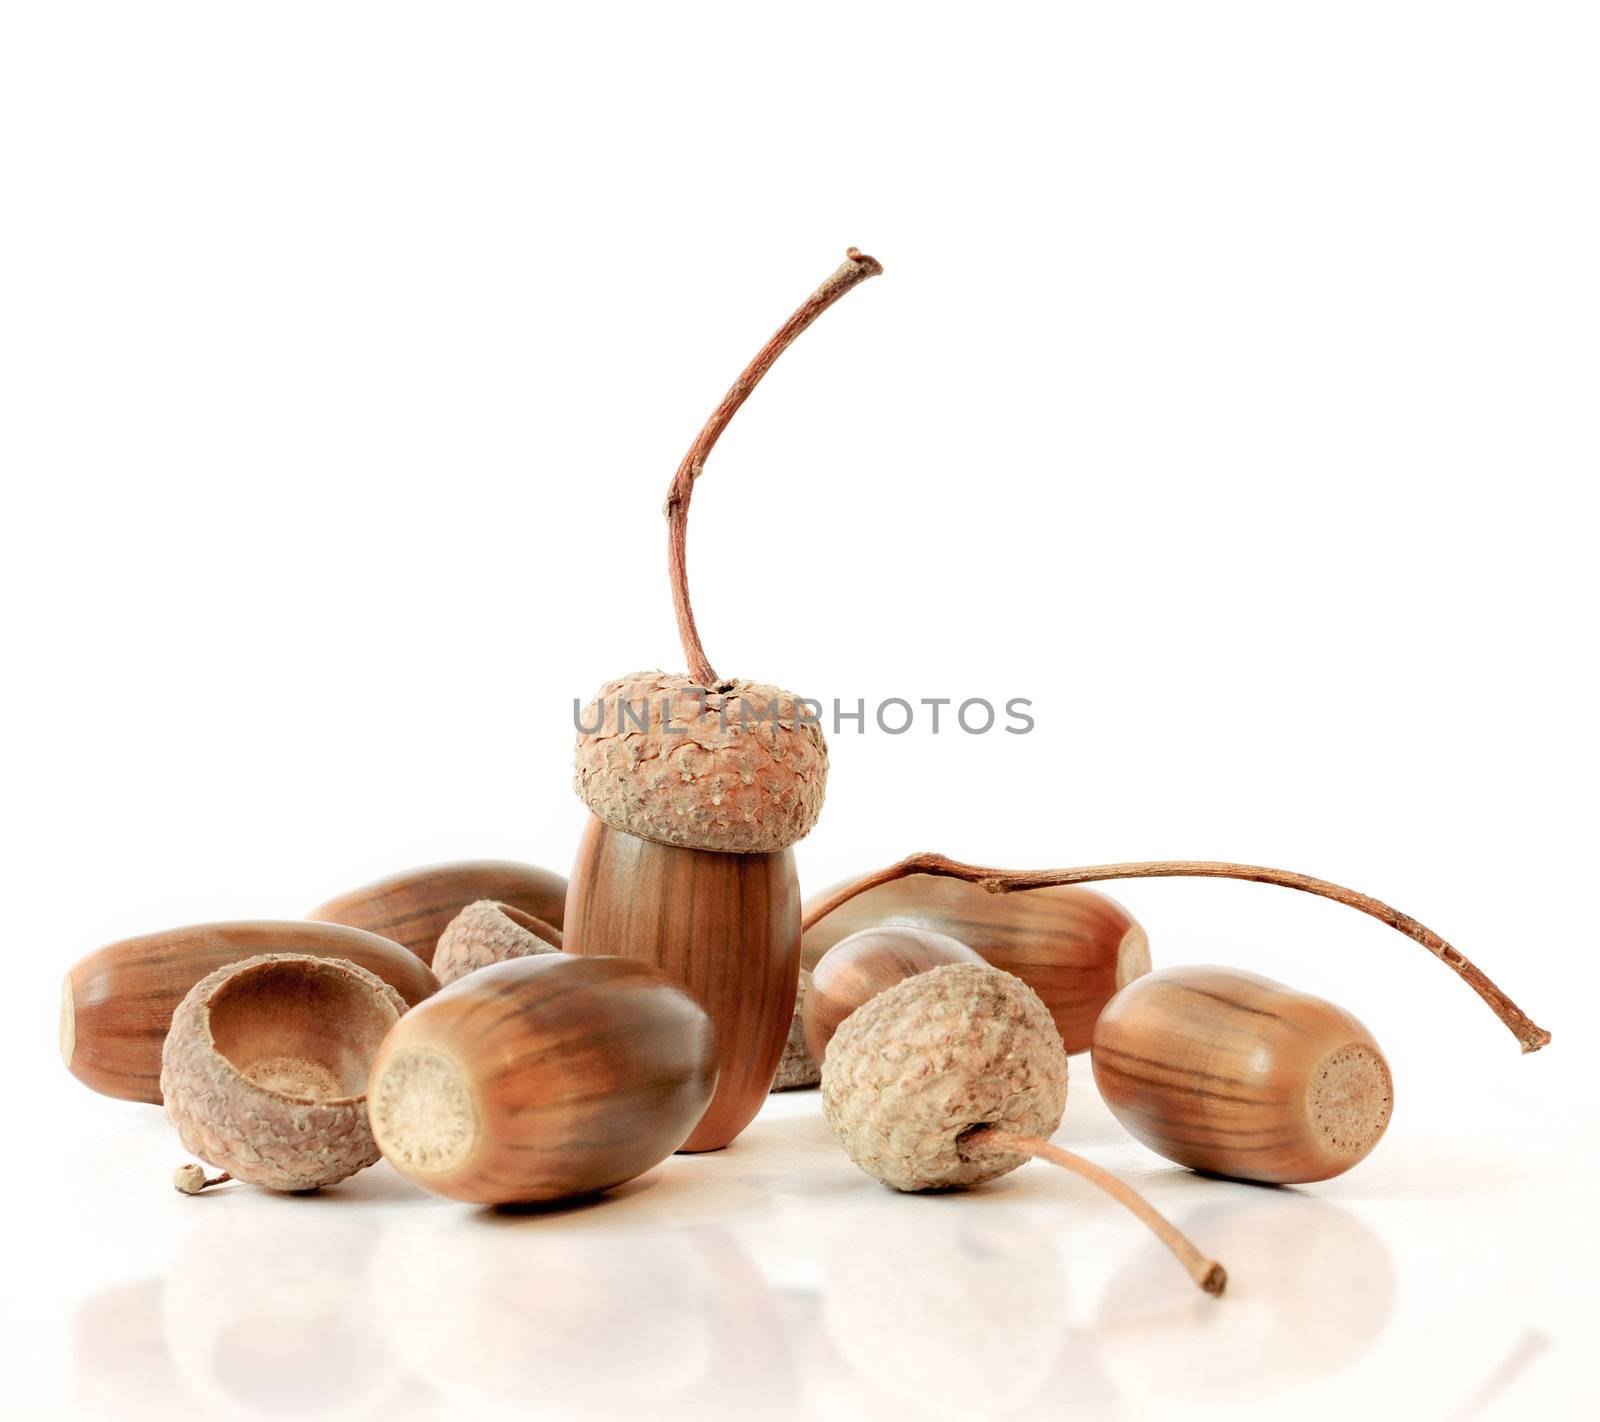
(1072, 946)
(117, 1003)
(856, 969)
(265, 1069)
(1232, 1073)
(798, 1068)
(488, 932)
(955, 1077)
(415, 906)
(543, 1078)
(725, 926)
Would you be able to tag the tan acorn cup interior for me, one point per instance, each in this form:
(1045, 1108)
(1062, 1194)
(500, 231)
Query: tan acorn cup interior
(856, 969)
(998, 1093)
(1072, 946)
(1229, 1072)
(414, 906)
(117, 1002)
(699, 786)
(265, 1069)
(1529, 1034)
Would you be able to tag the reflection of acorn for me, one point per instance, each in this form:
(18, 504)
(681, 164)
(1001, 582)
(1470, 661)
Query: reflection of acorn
(265, 1069)
(1321, 1290)
(266, 1316)
(495, 1309)
(940, 1315)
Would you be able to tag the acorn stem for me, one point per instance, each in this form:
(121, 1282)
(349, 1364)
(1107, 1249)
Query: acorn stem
(1207, 1273)
(1006, 881)
(856, 268)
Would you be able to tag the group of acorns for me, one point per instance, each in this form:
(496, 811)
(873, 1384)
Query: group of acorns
(501, 1035)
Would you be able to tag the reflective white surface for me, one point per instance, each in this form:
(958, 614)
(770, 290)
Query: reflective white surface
(1445, 1277)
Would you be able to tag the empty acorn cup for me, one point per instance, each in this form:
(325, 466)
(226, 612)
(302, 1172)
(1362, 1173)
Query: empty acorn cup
(264, 1072)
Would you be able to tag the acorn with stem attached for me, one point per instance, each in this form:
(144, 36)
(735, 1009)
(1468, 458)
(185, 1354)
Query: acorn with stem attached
(957, 1076)
(698, 787)
(1528, 1033)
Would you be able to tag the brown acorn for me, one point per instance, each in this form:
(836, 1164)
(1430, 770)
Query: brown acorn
(698, 786)
(1072, 946)
(856, 969)
(265, 1069)
(1232, 1073)
(542, 1078)
(117, 1003)
(415, 906)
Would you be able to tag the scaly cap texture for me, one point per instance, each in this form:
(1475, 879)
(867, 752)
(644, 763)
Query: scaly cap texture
(797, 1067)
(711, 768)
(489, 932)
(259, 1135)
(911, 1070)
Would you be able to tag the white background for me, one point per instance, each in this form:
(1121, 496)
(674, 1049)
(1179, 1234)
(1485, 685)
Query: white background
(1230, 393)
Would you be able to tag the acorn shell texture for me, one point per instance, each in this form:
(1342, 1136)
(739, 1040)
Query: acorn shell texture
(414, 906)
(117, 1003)
(798, 1068)
(265, 1069)
(543, 1078)
(488, 932)
(911, 1071)
(733, 768)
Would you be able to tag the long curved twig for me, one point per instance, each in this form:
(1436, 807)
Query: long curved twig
(1006, 881)
(855, 269)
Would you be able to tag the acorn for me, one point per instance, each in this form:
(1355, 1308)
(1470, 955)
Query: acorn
(957, 1076)
(1072, 946)
(1235, 1074)
(264, 1072)
(487, 932)
(117, 1003)
(698, 787)
(542, 1078)
(415, 906)
(856, 969)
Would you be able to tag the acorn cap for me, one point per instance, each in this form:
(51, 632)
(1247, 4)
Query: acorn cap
(737, 767)
(489, 932)
(264, 1071)
(914, 1069)
(797, 1067)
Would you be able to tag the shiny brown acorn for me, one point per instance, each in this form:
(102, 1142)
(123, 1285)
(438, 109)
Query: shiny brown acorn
(117, 1003)
(265, 1069)
(542, 1078)
(415, 906)
(1231, 1073)
(698, 787)
(856, 969)
(1072, 946)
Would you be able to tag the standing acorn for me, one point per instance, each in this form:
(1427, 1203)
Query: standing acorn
(698, 786)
